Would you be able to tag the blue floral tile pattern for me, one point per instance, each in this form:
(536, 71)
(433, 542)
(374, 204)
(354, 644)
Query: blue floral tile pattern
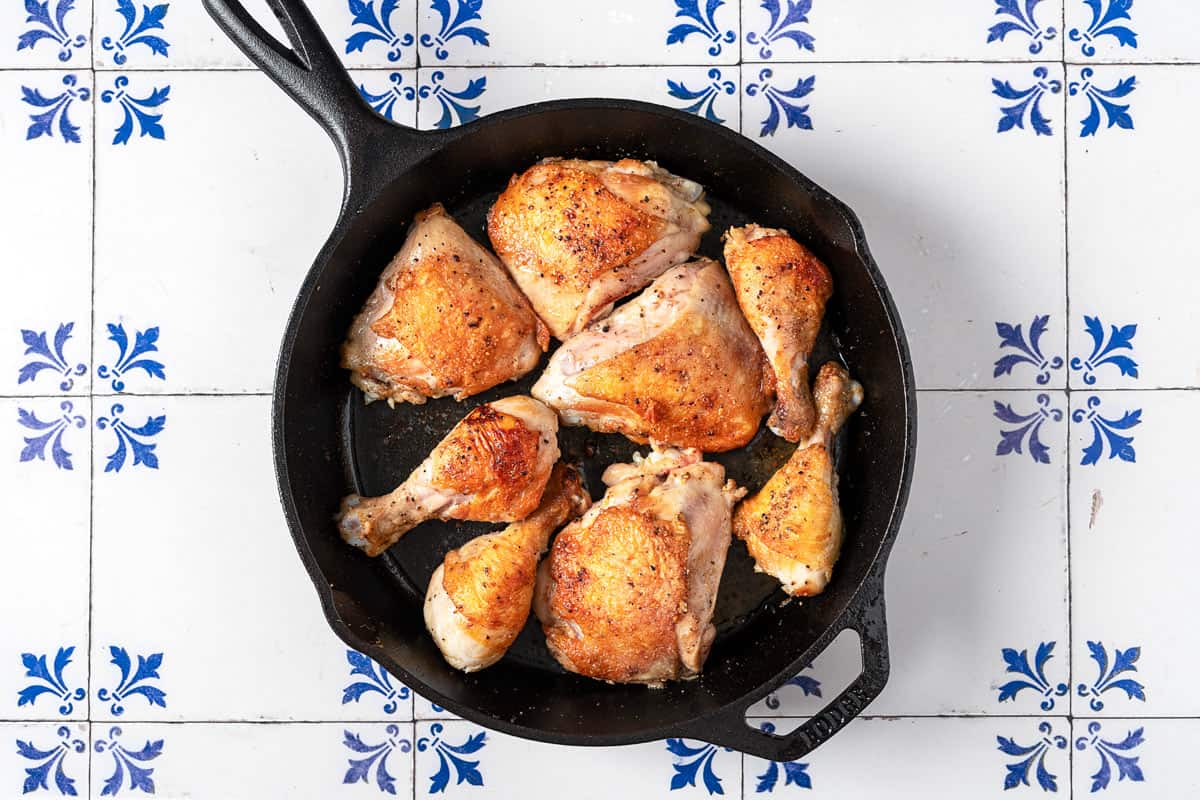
(131, 439)
(810, 686)
(375, 681)
(794, 773)
(131, 356)
(1019, 18)
(1113, 754)
(1107, 17)
(1028, 350)
(50, 27)
(463, 21)
(1107, 433)
(700, 101)
(1031, 677)
(781, 103)
(784, 24)
(455, 110)
(138, 30)
(49, 433)
(55, 108)
(47, 679)
(376, 26)
(1032, 757)
(702, 22)
(374, 758)
(1107, 680)
(1103, 100)
(1026, 103)
(42, 357)
(1104, 349)
(1028, 428)
(136, 109)
(692, 762)
(384, 102)
(37, 776)
(128, 762)
(450, 758)
(134, 681)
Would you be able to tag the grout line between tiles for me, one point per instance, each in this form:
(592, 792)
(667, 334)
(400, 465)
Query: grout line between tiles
(91, 643)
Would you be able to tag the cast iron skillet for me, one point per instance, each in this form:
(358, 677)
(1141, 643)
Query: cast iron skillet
(327, 442)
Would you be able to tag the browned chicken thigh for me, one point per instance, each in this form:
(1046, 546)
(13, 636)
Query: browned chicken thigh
(793, 525)
(445, 319)
(782, 289)
(479, 598)
(579, 235)
(492, 467)
(676, 365)
(628, 591)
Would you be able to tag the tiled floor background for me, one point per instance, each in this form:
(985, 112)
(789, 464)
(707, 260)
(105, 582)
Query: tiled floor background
(1027, 174)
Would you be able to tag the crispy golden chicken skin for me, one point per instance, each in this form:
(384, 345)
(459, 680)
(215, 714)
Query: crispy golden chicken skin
(676, 365)
(491, 467)
(579, 235)
(628, 591)
(782, 289)
(445, 319)
(479, 598)
(793, 525)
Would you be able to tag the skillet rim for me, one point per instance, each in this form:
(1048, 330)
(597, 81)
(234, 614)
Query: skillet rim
(359, 194)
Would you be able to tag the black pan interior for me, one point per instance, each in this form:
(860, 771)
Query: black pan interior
(331, 443)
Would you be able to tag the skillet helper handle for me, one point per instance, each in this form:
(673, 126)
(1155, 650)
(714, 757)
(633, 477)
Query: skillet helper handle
(310, 72)
(868, 619)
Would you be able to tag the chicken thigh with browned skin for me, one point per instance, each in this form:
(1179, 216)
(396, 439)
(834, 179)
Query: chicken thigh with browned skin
(793, 525)
(676, 365)
(782, 289)
(479, 597)
(628, 591)
(579, 235)
(491, 467)
(445, 319)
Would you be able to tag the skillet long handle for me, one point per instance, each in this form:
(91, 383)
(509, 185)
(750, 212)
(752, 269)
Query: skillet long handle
(867, 618)
(311, 73)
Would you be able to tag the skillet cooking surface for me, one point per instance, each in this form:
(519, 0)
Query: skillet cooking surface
(385, 444)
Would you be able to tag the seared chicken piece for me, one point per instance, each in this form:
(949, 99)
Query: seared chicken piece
(676, 365)
(478, 599)
(580, 235)
(628, 591)
(445, 319)
(782, 289)
(491, 467)
(793, 525)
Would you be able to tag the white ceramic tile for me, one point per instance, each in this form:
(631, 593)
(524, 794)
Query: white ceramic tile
(195, 572)
(183, 36)
(1127, 259)
(810, 691)
(44, 757)
(246, 762)
(869, 30)
(44, 558)
(1133, 545)
(1131, 759)
(454, 96)
(923, 759)
(540, 32)
(980, 565)
(427, 709)
(460, 759)
(1121, 30)
(46, 227)
(46, 33)
(204, 235)
(964, 219)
